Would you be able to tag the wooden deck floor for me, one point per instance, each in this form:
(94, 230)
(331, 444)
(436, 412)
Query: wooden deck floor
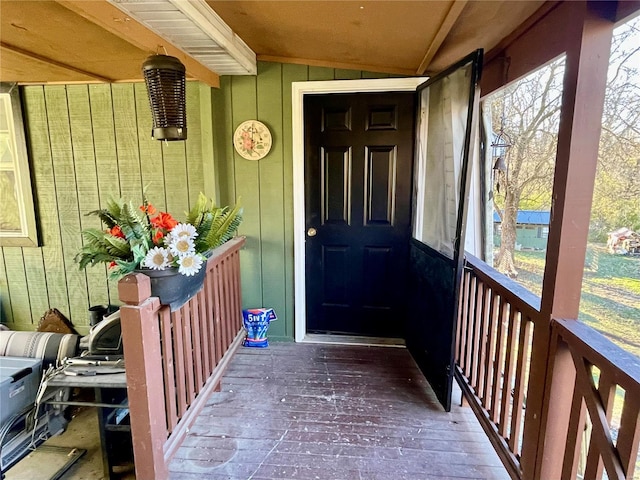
(328, 412)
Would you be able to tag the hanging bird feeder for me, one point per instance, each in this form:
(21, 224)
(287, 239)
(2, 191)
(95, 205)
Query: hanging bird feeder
(165, 79)
(499, 147)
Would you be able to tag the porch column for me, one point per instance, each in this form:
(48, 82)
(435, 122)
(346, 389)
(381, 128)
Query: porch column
(145, 389)
(587, 62)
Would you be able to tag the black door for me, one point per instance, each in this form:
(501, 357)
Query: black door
(358, 172)
(443, 143)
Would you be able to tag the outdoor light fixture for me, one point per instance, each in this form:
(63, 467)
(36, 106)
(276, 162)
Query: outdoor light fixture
(165, 79)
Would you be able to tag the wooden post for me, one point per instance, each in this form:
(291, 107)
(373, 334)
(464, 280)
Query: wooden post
(557, 412)
(141, 339)
(585, 80)
(587, 62)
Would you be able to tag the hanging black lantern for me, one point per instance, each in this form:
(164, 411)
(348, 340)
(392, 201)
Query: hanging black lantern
(165, 79)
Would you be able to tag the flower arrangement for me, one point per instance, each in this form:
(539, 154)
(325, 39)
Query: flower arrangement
(139, 238)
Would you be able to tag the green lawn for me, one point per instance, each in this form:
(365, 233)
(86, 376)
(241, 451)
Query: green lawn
(610, 300)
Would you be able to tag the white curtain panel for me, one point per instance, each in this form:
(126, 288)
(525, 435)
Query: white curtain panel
(440, 147)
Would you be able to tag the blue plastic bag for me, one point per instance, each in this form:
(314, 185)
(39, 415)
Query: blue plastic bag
(256, 322)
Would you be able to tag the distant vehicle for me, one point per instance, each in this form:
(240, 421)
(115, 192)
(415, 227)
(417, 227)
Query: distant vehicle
(624, 241)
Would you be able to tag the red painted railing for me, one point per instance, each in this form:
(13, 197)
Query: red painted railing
(600, 435)
(496, 322)
(174, 360)
(572, 435)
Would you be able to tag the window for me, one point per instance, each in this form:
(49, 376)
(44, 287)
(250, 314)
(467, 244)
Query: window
(521, 122)
(543, 232)
(610, 301)
(17, 215)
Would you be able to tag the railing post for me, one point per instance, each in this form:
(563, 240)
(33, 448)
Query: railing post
(557, 412)
(143, 357)
(587, 62)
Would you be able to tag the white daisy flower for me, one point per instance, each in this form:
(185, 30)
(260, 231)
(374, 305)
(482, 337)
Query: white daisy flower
(189, 264)
(181, 246)
(156, 259)
(168, 239)
(182, 230)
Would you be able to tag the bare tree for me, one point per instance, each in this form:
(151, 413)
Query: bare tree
(527, 114)
(616, 200)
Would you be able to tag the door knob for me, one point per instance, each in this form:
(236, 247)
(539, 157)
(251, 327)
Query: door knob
(312, 232)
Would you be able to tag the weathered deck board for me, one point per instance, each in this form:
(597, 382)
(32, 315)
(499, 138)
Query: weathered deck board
(302, 411)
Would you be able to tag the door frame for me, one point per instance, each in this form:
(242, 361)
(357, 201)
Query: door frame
(298, 91)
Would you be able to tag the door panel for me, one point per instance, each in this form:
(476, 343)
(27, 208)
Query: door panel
(336, 185)
(443, 146)
(380, 185)
(358, 171)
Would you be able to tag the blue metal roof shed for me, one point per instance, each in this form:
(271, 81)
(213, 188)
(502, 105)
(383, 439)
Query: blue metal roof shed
(528, 217)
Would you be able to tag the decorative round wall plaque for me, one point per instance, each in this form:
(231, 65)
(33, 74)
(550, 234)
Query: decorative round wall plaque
(252, 140)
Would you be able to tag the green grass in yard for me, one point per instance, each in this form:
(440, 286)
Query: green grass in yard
(626, 283)
(610, 300)
(530, 266)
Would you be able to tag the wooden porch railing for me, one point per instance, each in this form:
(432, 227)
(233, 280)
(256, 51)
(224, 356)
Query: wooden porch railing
(603, 375)
(497, 319)
(493, 352)
(174, 360)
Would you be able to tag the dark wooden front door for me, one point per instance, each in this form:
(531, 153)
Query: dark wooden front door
(358, 172)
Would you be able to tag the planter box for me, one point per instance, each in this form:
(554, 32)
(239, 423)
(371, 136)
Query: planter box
(173, 288)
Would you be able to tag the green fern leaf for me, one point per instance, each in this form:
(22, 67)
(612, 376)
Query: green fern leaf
(116, 246)
(195, 215)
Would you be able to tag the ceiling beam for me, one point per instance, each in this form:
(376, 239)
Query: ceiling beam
(201, 14)
(441, 34)
(49, 61)
(115, 21)
(522, 29)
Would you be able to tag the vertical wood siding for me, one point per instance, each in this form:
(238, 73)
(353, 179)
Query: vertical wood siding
(266, 186)
(86, 144)
(90, 142)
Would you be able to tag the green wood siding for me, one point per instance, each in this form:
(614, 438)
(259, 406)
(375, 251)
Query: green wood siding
(87, 143)
(90, 142)
(266, 186)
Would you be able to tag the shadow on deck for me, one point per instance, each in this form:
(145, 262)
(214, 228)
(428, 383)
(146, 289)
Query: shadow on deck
(310, 411)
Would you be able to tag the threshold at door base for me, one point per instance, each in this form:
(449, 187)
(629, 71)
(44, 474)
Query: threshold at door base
(353, 340)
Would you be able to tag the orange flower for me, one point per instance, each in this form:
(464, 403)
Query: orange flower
(116, 231)
(158, 236)
(164, 220)
(112, 264)
(148, 209)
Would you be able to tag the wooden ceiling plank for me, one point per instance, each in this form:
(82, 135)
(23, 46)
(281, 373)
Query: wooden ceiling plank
(50, 61)
(115, 21)
(342, 65)
(16, 68)
(446, 26)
